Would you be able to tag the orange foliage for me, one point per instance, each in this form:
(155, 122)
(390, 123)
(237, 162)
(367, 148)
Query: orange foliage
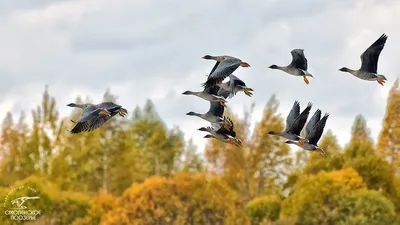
(181, 199)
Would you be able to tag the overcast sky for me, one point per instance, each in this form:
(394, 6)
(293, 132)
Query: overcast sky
(153, 48)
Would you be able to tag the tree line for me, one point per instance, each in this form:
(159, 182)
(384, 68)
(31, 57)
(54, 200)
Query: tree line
(139, 171)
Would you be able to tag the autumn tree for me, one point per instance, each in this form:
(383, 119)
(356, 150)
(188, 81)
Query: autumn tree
(264, 208)
(180, 199)
(364, 207)
(389, 142)
(315, 197)
(57, 207)
(374, 169)
(333, 159)
(259, 166)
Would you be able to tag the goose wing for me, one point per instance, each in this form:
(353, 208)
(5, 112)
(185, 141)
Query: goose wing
(313, 121)
(298, 59)
(369, 58)
(216, 109)
(300, 121)
(293, 114)
(222, 71)
(316, 132)
(223, 93)
(89, 114)
(110, 106)
(230, 131)
(212, 90)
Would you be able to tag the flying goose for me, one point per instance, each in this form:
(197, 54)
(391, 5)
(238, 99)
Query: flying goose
(235, 85)
(369, 62)
(227, 139)
(226, 65)
(94, 116)
(222, 133)
(314, 130)
(295, 123)
(298, 66)
(209, 93)
(213, 115)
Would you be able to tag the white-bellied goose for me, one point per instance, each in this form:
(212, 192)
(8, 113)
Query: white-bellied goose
(94, 116)
(298, 66)
(226, 65)
(314, 130)
(235, 85)
(295, 122)
(223, 133)
(369, 62)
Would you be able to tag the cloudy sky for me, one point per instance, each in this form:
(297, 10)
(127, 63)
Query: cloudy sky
(152, 49)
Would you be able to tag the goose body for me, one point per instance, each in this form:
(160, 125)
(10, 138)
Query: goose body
(369, 62)
(235, 85)
(314, 130)
(225, 66)
(295, 122)
(298, 66)
(94, 116)
(223, 133)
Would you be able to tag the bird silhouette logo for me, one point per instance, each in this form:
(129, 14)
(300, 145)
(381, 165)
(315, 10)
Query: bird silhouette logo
(20, 201)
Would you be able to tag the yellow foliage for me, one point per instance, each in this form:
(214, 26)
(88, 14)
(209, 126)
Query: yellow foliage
(389, 141)
(181, 199)
(315, 196)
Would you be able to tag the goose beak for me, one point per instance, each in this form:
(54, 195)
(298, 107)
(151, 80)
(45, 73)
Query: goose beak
(244, 64)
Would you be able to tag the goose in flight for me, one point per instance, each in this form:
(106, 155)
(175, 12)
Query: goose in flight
(369, 62)
(209, 93)
(226, 65)
(94, 116)
(314, 130)
(295, 122)
(298, 66)
(213, 115)
(235, 85)
(223, 133)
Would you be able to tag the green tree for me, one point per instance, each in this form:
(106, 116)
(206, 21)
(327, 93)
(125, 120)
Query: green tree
(333, 159)
(364, 208)
(57, 207)
(265, 207)
(315, 197)
(361, 156)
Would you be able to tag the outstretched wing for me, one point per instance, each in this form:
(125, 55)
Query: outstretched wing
(223, 93)
(216, 109)
(294, 113)
(298, 59)
(314, 120)
(89, 114)
(369, 59)
(213, 90)
(316, 133)
(230, 131)
(300, 121)
(236, 81)
(223, 70)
